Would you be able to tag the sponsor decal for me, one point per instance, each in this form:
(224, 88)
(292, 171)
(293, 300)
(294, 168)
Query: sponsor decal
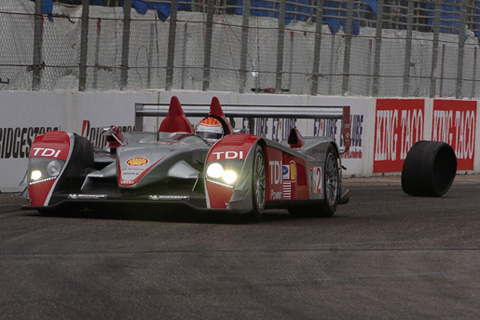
(287, 184)
(293, 170)
(317, 176)
(276, 178)
(275, 195)
(454, 122)
(139, 161)
(131, 175)
(46, 152)
(15, 143)
(275, 172)
(228, 155)
(325, 128)
(286, 172)
(276, 129)
(167, 197)
(332, 128)
(399, 124)
(80, 196)
(356, 135)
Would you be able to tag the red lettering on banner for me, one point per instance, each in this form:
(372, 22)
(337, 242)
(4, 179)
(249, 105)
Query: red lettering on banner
(454, 122)
(399, 124)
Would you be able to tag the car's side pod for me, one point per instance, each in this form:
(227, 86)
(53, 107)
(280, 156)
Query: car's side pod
(57, 160)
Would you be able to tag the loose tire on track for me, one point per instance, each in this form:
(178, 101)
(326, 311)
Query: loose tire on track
(429, 169)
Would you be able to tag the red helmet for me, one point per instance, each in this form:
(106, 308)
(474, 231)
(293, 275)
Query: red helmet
(210, 129)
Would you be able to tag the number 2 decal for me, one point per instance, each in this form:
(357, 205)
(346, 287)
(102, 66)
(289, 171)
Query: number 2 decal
(318, 179)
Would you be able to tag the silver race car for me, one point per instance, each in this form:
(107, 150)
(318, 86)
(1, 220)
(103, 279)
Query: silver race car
(210, 167)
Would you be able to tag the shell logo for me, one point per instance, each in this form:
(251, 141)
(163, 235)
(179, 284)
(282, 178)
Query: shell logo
(137, 161)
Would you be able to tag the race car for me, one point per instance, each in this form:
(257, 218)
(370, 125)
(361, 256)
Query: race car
(214, 168)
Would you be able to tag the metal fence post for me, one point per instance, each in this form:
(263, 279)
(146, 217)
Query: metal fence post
(475, 54)
(280, 45)
(184, 55)
(150, 55)
(461, 49)
(436, 33)
(125, 44)
(244, 50)
(82, 75)
(171, 44)
(97, 53)
(408, 50)
(348, 48)
(207, 49)
(37, 46)
(378, 49)
(317, 47)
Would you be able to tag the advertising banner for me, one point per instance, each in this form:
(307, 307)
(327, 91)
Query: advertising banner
(23, 117)
(454, 122)
(278, 130)
(399, 123)
(28, 114)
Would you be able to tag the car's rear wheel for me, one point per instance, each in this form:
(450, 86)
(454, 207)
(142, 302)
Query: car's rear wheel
(331, 190)
(259, 183)
(331, 184)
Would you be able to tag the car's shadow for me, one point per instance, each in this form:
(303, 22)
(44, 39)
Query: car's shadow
(172, 215)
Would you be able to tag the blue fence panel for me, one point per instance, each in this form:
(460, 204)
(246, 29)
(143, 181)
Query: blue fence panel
(449, 17)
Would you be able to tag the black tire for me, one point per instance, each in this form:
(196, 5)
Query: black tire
(331, 189)
(331, 183)
(259, 183)
(429, 169)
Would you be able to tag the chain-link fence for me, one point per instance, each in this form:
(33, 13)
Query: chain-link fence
(318, 47)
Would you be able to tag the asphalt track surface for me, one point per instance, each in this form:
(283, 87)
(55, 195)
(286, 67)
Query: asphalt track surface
(385, 255)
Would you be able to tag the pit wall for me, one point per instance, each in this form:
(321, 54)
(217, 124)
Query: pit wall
(382, 130)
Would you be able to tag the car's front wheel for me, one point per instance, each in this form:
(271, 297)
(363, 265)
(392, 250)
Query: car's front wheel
(259, 183)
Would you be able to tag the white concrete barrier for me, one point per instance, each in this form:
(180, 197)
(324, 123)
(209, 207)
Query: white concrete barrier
(383, 129)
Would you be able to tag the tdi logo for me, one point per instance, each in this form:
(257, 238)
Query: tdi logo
(228, 155)
(45, 152)
(276, 172)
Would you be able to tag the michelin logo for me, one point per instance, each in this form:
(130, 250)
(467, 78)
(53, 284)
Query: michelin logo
(75, 196)
(177, 198)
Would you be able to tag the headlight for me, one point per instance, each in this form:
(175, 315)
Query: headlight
(44, 169)
(229, 177)
(215, 170)
(35, 175)
(54, 167)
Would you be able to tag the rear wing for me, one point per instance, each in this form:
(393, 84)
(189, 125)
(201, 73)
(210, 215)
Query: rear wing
(251, 112)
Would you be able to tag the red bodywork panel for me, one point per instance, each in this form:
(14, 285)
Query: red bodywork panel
(231, 147)
(216, 110)
(286, 176)
(54, 145)
(176, 121)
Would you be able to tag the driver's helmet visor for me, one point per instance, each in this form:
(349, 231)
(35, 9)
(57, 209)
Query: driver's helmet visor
(209, 135)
